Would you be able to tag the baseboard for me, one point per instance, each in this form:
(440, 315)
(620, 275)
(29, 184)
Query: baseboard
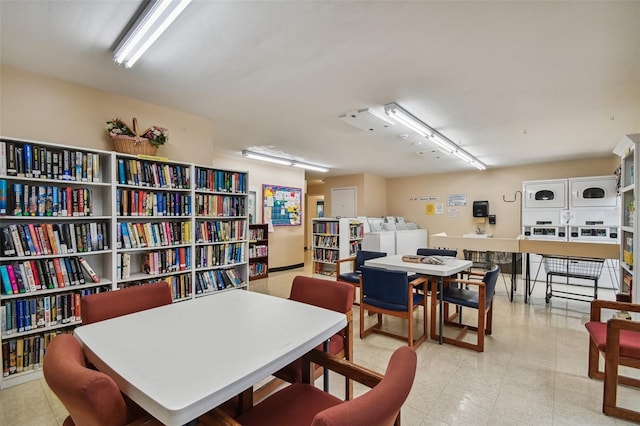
(286, 268)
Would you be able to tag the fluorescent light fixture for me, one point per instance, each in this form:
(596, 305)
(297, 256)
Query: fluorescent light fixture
(283, 161)
(155, 19)
(269, 158)
(379, 116)
(310, 167)
(403, 116)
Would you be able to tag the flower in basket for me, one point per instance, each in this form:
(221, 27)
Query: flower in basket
(118, 127)
(157, 135)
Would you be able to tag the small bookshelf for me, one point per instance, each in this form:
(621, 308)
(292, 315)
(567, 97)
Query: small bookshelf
(334, 239)
(258, 251)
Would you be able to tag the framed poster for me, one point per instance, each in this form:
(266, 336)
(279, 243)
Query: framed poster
(282, 205)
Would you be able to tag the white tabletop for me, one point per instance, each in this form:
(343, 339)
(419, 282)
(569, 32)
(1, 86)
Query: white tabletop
(395, 262)
(180, 361)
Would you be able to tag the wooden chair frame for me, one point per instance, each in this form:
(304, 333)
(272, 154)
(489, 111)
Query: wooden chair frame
(612, 358)
(408, 315)
(485, 316)
(340, 366)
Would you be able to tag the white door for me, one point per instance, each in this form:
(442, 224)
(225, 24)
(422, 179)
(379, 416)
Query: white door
(343, 202)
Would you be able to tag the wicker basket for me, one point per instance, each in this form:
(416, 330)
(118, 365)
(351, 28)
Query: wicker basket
(134, 144)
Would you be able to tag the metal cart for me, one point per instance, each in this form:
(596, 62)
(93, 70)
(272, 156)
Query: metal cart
(583, 268)
(480, 259)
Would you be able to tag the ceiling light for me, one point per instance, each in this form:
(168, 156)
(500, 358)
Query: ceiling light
(310, 167)
(283, 161)
(157, 16)
(403, 116)
(269, 158)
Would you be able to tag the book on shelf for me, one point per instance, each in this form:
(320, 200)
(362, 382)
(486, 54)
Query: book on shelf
(89, 270)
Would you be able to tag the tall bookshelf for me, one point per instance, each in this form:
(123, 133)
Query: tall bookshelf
(629, 151)
(58, 212)
(221, 218)
(258, 251)
(154, 228)
(132, 219)
(333, 239)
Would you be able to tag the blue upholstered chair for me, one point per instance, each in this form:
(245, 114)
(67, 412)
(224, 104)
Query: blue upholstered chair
(469, 293)
(351, 274)
(387, 292)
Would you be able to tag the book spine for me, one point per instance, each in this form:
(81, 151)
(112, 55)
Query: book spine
(4, 197)
(89, 270)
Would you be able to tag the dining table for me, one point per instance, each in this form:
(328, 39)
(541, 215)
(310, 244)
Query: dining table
(182, 360)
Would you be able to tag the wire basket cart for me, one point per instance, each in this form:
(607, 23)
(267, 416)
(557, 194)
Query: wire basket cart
(480, 259)
(581, 268)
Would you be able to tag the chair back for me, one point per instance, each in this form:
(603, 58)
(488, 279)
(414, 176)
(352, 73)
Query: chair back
(490, 279)
(385, 288)
(90, 397)
(364, 255)
(333, 295)
(437, 252)
(111, 304)
(381, 405)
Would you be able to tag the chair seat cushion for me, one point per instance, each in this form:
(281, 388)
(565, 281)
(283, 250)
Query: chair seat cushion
(350, 277)
(417, 299)
(302, 402)
(462, 297)
(629, 340)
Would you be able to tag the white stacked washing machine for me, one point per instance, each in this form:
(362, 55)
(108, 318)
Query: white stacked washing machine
(583, 209)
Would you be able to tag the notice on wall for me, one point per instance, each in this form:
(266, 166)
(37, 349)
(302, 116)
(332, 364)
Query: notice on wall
(453, 212)
(430, 209)
(282, 206)
(456, 199)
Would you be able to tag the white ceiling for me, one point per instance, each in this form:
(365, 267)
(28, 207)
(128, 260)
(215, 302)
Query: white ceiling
(511, 82)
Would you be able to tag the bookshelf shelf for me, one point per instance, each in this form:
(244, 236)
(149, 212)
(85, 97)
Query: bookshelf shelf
(629, 151)
(258, 251)
(86, 207)
(333, 239)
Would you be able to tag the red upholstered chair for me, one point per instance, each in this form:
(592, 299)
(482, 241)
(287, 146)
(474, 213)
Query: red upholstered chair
(90, 397)
(304, 404)
(619, 341)
(111, 304)
(332, 295)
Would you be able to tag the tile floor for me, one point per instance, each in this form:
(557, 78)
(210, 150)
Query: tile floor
(533, 370)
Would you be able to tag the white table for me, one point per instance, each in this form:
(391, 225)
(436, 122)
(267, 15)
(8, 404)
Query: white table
(450, 268)
(181, 360)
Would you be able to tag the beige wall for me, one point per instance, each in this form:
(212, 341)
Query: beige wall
(286, 243)
(374, 196)
(40, 108)
(498, 186)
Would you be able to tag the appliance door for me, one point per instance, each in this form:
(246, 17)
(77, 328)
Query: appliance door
(593, 192)
(545, 194)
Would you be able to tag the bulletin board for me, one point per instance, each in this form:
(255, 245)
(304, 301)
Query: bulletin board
(282, 205)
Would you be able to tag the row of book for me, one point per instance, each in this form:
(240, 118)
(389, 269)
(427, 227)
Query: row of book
(326, 256)
(45, 200)
(257, 234)
(153, 234)
(152, 174)
(258, 251)
(326, 228)
(180, 285)
(22, 315)
(165, 261)
(220, 205)
(220, 181)
(218, 231)
(25, 353)
(45, 274)
(354, 247)
(219, 255)
(325, 241)
(35, 161)
(217, 279)
(133, 202)
(257, 269)
(37, 239)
